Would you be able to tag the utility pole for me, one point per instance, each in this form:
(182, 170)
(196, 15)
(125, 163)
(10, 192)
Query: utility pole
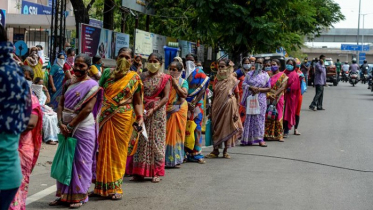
(358, 32)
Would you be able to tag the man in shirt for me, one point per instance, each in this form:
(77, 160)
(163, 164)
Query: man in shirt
(338, 65)
(320, 82)
(305, 68)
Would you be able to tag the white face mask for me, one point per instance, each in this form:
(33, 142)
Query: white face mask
(190, 67)
(246, 66)
(61, 61)
(41, 53)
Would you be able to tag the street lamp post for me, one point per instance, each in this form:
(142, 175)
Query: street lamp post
(358, 32)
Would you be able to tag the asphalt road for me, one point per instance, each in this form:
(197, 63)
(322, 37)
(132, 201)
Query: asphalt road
(330, 166)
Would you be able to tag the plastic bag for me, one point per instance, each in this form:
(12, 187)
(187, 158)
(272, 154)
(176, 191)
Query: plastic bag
(189, 134)
(63, 160)
(252, 106)
(208, 133)
(271, 112)
(303, 87)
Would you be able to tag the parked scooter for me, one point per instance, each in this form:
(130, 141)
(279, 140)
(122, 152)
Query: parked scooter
(354, 78)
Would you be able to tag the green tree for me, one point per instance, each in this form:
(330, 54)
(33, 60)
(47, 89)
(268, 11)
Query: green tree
(246, 26)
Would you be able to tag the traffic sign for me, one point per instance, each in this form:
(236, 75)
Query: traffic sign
(354, 47)
(362, 57)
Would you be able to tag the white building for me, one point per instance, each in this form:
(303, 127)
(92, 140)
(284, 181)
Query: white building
(29, 20)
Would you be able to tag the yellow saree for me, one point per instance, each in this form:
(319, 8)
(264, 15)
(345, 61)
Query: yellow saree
(117, 117)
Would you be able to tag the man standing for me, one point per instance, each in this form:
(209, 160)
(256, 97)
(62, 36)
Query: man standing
(320, 82)
(338, 65)
(305, 68)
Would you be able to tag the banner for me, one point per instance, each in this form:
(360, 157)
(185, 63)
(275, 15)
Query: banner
(138, 5)
(89, 39)
(201, 53)
(121, 40)
(106, 45)
(96, 23)
(2, 17)
(185, 48)
(159, 42)
(143, 43)
(29, 8)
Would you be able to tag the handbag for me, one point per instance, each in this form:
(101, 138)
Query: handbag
(208, 133)
(272, 113)
(189, 133)
(252, 105)
(63, 160)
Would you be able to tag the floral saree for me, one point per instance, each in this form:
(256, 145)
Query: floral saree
(274, 128)
(29, 149)
(117, 117)
(149, 159)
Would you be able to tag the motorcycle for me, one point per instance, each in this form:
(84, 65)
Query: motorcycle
(364, 79)
(345, 76)
(370, 81)
(353, 79)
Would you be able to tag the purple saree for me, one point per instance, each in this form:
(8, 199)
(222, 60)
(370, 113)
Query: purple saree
(76, 96)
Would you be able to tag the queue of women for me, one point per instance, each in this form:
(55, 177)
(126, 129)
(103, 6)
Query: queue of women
(134, 123)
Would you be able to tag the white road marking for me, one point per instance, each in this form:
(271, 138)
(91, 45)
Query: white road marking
(41, 194)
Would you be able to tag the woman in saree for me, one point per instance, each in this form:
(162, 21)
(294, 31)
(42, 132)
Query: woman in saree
(256, 82)
(34, 61)
(300, 97)
(29, 147)
(149, 159)
(56, 77)
(177, 110)
(226, 124)
(198, 82)
(240, 75)
(291, 96)
(122, 106)
(50, 122)
(274, 128)
(77, 113)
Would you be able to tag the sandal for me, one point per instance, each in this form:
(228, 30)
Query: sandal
(178, 166)
(286, 135)
(93, 194)
(201, 161)
(263, 144)
(156, 179)
(50, 142)
(137, 179)
(56, 202)
(116, 197)
(76, 205)
(281, 140)
(296, 133)
(212, 155)
(226, 155)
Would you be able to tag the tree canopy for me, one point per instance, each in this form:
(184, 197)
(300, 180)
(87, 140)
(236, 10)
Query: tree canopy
(237, 26)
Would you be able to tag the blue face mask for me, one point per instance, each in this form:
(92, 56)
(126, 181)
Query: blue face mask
(289, 67)
(267, 68)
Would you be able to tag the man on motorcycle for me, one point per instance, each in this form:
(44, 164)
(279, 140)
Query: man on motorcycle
(364, 68)
(345, 68)
(354, 68)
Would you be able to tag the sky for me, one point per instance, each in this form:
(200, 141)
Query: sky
(350, 9)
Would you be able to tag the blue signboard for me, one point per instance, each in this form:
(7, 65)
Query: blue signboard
(29, 8)
(354, 47)
(2, 17)
(362, 57)
(96, 23)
